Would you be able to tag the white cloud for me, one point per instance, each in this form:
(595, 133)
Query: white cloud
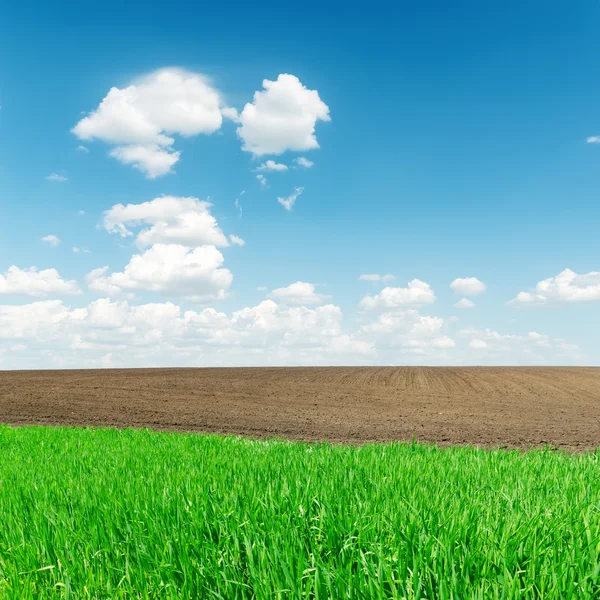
(533, 348)
(51, 239)
(57, 178)
(299, 293)
(262, 180)
(79, 250)
(478, 344)
(593, 139)
(443, 342)
(163, 334)
(468, 286)
(230, 113)
(282, 117)
(567, 287)
(141, 119)
(464, 303)
(170, 269)
(407, 332)
(238, 241)
(417, 292)
(171, 220)
(271, 165)
(152, 160)
(82, 149)
(304, 162)
(288, 203)
(33, 282)
(376, 277)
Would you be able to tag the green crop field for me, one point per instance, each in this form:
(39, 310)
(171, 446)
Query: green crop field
(96, 513)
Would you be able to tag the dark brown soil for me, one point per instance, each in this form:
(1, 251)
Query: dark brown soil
(515, 407)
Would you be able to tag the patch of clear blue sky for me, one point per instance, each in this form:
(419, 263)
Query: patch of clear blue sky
(456, 146)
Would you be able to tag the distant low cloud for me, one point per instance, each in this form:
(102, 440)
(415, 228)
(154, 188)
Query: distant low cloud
(391, 298)
(593, 139)
(567, 287)
(57, 178)
(300, 293)
(304, 162)
(282, 117)
(237, 241)
(376, 277)
(141, 119)
(51, 239)
(464, 303)
(288, 203)
(468, 286)
(78, 250)
(271, 165)
(264, 184)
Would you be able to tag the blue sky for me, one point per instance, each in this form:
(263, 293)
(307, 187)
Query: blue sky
(445, 141)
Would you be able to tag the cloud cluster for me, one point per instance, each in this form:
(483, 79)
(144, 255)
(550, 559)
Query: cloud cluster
(196, 274)
(567, 287)
(169, 220)
(533, 348)
(141, 119)
(390, 298)
(34, 282)
(163, 333)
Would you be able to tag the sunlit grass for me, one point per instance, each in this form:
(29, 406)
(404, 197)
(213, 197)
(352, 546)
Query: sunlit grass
(92, 513)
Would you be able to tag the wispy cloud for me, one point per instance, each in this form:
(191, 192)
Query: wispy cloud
(56, 177)
(51, 239)
(289, 202)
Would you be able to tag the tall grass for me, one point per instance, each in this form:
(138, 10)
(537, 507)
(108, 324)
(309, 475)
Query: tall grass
(93, 513)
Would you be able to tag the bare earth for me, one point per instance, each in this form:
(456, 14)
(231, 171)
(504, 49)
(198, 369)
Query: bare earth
(514, 407)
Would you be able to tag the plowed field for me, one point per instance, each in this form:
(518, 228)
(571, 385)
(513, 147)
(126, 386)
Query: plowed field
(514, 407)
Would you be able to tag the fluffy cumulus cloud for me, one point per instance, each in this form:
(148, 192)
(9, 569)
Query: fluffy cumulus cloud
(34, 282)
(167, 220)
(140, 120)
(567, 287)
(196, 274)
(299, 293)
(468, 286)
(464, 303)
(390, 298)
(282, 117)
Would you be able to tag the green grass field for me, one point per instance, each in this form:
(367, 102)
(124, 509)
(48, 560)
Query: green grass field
(93, 513)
